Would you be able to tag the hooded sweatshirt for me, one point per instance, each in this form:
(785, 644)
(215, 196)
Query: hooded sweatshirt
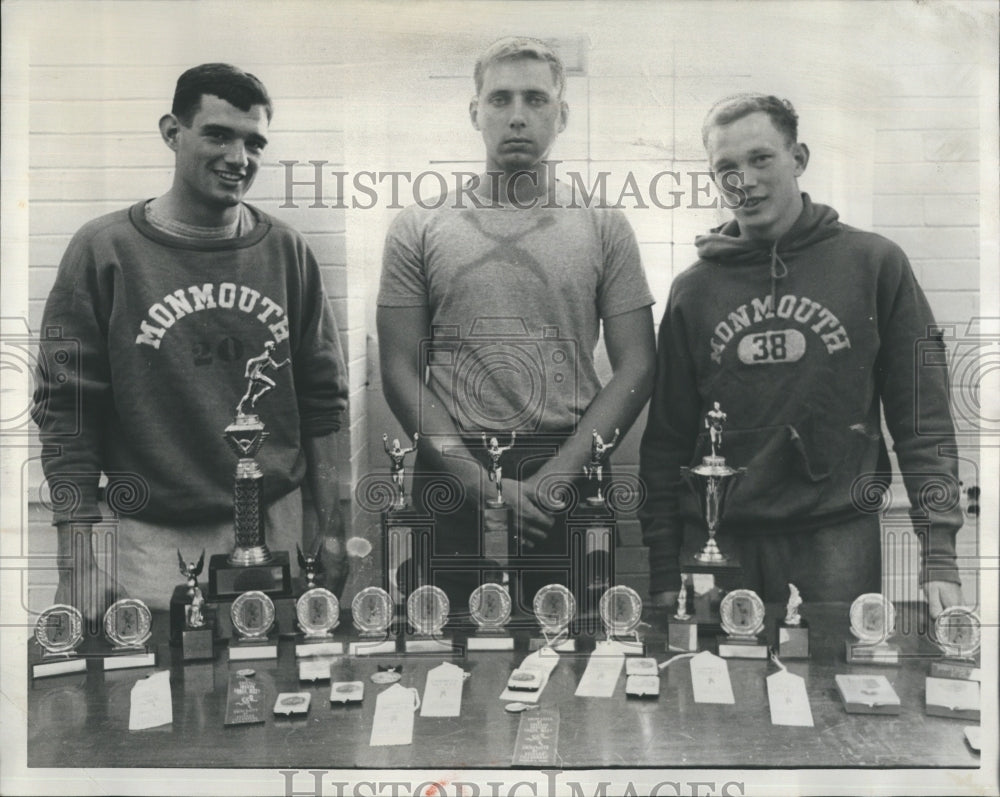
(801, 342)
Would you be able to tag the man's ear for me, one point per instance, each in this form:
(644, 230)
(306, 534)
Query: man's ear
(801, 154)
(563, 114)
(170, 127)
(474, 112)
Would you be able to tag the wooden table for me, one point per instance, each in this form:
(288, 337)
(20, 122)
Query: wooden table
(82, 720)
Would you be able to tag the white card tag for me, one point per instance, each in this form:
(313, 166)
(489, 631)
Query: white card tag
(443, 691)
(393, 720)
(786, 693)
(150, 702)
(702, 583)
(603, 668)
(710, 679)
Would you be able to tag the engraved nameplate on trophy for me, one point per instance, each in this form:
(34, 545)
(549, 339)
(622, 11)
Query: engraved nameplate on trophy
(372, 613)
(873, 621)
(427, 614)
(490, 609)
(554, 607)
(682, 630)
(957, 632)
(621, 613)
(742, 616)
(253, 620)
(128, 627)
(712, 571)
(59, 632)
(792, 629)
(318, 613)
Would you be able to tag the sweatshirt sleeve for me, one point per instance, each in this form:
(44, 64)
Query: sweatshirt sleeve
(73, 386)
(668, 443)
(912, 378)
(321, 379)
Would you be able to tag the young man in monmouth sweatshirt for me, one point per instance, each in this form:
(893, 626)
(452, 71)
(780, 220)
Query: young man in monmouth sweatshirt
(803, 329)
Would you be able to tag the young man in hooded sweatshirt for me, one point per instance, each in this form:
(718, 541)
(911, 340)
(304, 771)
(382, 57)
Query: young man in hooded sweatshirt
(803, 329)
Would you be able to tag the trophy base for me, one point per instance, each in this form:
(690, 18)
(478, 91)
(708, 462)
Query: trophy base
(428, 644)
(198, 644)
(742, 647)
(953, 698)
(248, 649)
(58, 665)
(319, 647)
(128, 659)
(596, 501)
(226, 580)
(495, 503)
(498, 543)
(682, 635)
(958, 669)
(373, 646)
(866, 653)
(565, 646)
(490, 641)
(793, 640)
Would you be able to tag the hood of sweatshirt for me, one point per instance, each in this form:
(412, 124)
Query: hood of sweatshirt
(723, 245)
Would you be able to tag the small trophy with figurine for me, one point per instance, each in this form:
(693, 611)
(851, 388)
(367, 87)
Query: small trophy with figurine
(499, 543)
(594, 470)
(402, 562)
(793, 630)
(682, 630)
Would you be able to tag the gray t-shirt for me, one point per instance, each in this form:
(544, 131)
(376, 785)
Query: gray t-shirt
(515, 298)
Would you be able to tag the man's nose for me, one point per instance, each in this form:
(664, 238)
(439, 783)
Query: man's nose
(236, 153)
(518, 119)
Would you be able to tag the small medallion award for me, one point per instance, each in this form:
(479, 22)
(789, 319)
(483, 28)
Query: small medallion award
(490, 608)
(554, 607)
(59, 632)
(621, 612)
(742, 616)
(873, 621)
(427, 613)
(128, 627)
(793, 630)
(318, 612)
(952, 688)
(372, 613)
(252, 614)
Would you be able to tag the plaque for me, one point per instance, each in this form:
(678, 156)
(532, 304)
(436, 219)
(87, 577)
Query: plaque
(642, 686)
(244, 699)
(742, 616)
(427, 613)
(792, 629)
(621, 612)
(292, 704)
(252, 614)
(957, 632)
(682, 630)
(347, 692)
(956, 698)
(318, 613)
(867, 694)
(59, 632)
(873, 621)
(554, 607)
(372, 614)
(128, 627)
(490, 608)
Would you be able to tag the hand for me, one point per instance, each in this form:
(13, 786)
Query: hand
(666, 598)
(941, 595)
(81, 582)
(534, 521)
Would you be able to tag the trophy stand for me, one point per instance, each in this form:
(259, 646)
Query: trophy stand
(711, 571)
(197, 636)
(592, 534)
(682, 630)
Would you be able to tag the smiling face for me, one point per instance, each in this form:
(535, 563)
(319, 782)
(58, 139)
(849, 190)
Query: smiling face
(217, 158)
(519, 112)
(770, 167)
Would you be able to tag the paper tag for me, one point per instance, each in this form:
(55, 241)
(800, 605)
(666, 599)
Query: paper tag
(710, 679)
(151, 706)
(537, 739)
(702, 583)
(786, 693)
(443, 691)
(603, 669)
(393, 720)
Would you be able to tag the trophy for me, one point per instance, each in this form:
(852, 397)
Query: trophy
(251, 566)
(620, 609)
(499, 543)
(873, 621)
(793, 630)
(252, 614)
(198, 633)
(59, 632)
(311, 565)
(128, 627)
(711, 482)
(742, 615)
(399, 521)
(554, 607)
(490, 608)
(427, 613)
(593, 522)
(682, 630)
(957, 632)
(594, 470)
(372, 613)
(180, 601)
(318, 612)
(397, 455)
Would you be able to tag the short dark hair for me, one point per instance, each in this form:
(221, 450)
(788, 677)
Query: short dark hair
(224, 81)
(511, 48)
(730, 109)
